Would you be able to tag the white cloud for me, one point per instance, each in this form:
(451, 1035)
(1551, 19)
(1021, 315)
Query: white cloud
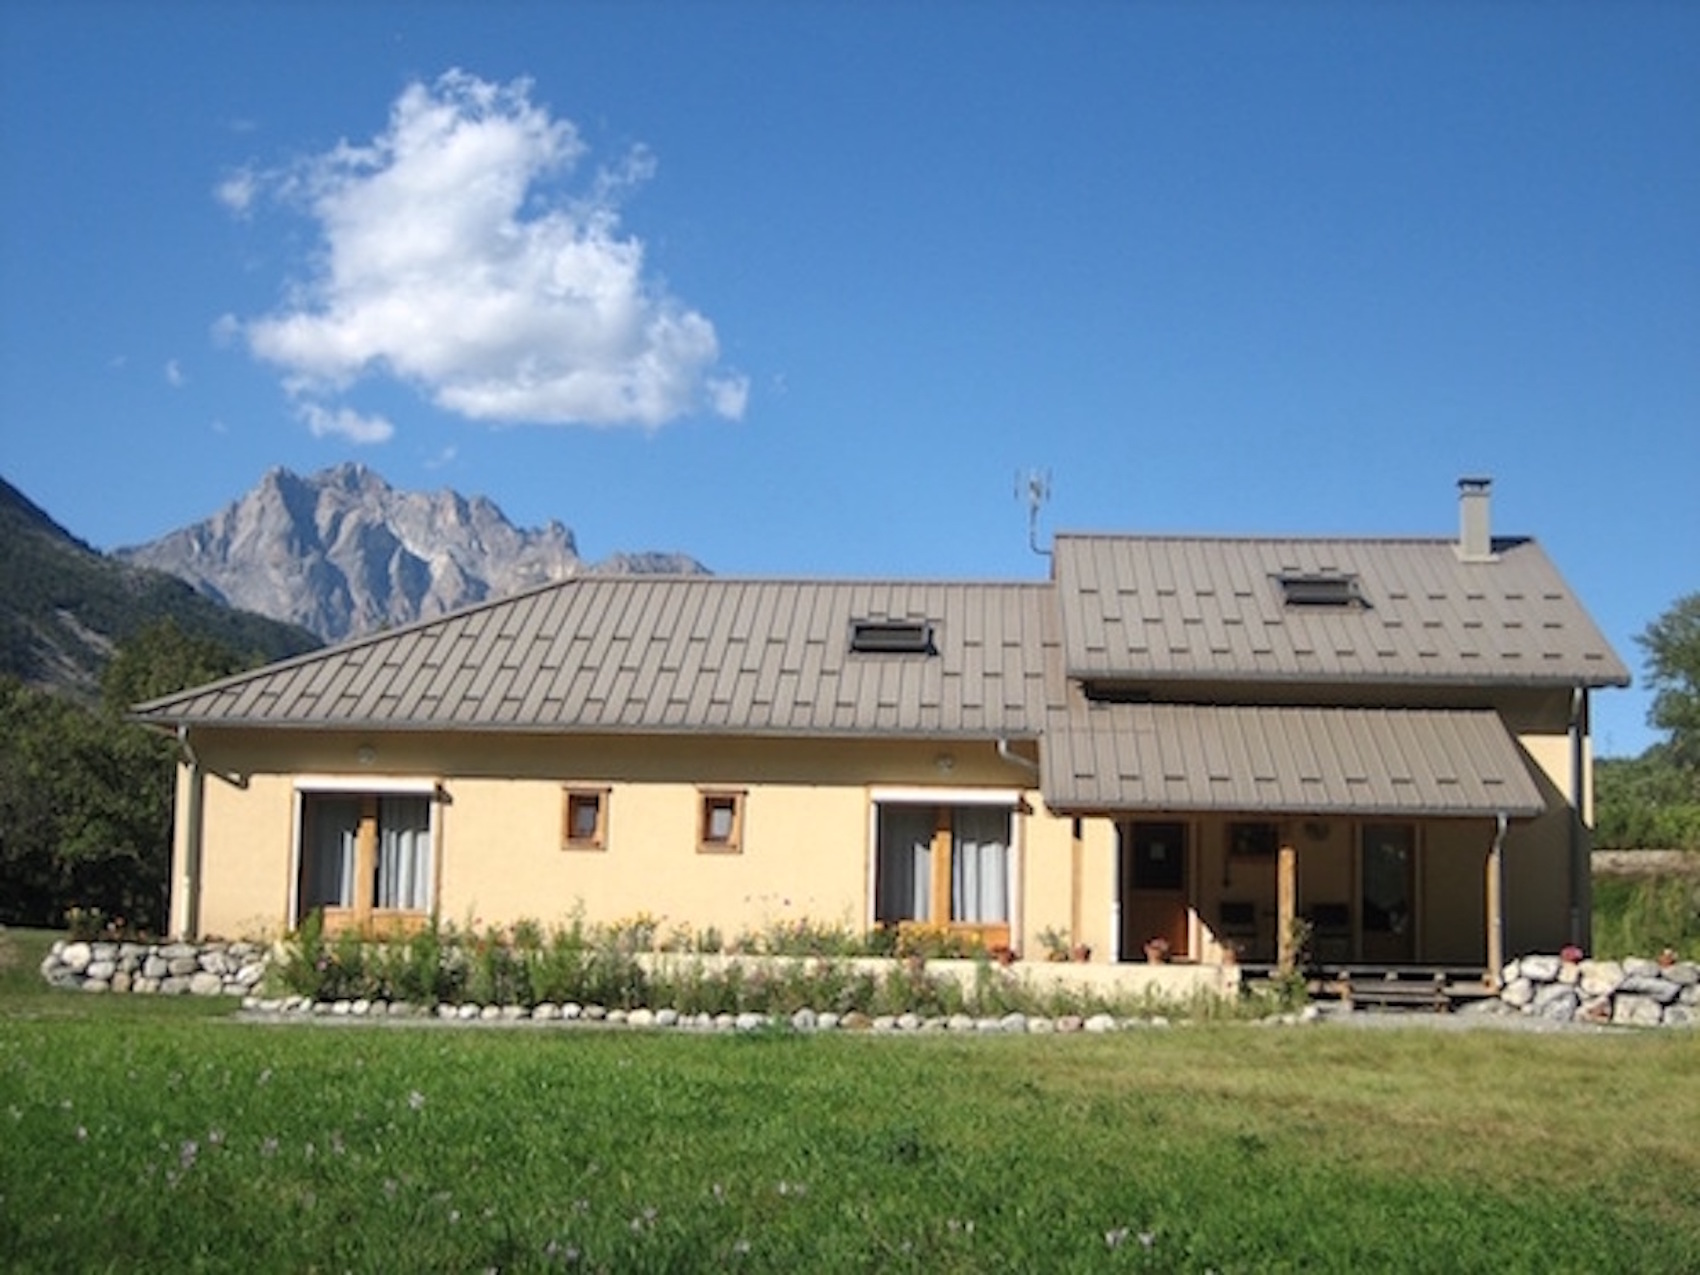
(451, 261)
(238, 191)
(174, 374)
(344, 422)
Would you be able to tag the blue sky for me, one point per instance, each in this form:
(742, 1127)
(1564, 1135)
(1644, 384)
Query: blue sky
(801, 289)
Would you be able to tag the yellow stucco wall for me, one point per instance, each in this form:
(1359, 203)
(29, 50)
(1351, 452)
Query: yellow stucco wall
(807, 837)
(805, 846)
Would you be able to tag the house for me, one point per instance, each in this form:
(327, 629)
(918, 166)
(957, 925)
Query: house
(1201, 739)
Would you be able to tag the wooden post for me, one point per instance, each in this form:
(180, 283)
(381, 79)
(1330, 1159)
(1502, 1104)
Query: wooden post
(365, 863)
(942, 850)
(1286, 903)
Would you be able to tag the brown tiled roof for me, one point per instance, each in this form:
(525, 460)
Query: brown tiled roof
(673, 654)
(1169, 608)
(1369, 761)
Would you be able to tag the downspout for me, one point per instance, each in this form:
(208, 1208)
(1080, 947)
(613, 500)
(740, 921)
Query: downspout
(1496, 902)
(1581, 884)
(1014, 758)
(1008, 754)
(191, 881)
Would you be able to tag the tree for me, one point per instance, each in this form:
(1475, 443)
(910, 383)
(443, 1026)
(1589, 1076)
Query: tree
(160, 659)
(1672, 643)
(85, 796)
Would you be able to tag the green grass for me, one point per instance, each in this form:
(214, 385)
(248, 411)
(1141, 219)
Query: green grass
(134, 1136)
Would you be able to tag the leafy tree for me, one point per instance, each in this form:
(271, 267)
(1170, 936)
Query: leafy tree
(85, 796)
(160, 659)
(1645, 803)
(1672, 643)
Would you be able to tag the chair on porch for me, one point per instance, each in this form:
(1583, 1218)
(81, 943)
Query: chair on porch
(1330, 933)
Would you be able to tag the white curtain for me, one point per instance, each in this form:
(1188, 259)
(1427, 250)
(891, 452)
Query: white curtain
(328, 874)
(903, 870)
(979, 865)
(404, 854)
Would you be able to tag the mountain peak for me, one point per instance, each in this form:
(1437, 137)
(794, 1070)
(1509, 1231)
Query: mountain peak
(342, 552)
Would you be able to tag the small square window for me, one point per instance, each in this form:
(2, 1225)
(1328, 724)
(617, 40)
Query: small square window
(586, 819)
(722, 825)
(1253, 840)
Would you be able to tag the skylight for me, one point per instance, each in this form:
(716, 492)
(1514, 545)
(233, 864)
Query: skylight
(1321, 589)
(892, 637)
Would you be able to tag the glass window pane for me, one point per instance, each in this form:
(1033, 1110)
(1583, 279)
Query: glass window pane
(979, 866)
(903, 864)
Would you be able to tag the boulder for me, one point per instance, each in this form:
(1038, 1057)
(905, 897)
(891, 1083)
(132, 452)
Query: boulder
(1653, 988)
(1519, 992)
(1631, 1010)
(1683, 974)
(1557, 1002)
(205, 984)
(1539, 968)
(76, 957)
(1601, 978)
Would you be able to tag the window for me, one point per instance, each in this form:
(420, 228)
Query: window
(892, 637)
(944, 864)
(721, 829)
(1253, 840)
(585, 819)
(364, 853)
(1321, 589)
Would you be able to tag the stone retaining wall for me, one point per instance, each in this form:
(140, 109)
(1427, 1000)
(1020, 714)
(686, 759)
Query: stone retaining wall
(165, 969)
(1632, 992)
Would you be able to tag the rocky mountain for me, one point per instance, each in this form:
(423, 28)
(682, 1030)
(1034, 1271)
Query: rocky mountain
(64, 607)
(343, 553)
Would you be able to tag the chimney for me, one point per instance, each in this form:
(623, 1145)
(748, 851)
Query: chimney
(1475, 536)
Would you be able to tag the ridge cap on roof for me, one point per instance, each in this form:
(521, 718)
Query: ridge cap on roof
(1210, 537)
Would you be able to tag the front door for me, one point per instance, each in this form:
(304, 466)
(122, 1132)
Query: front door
(1153, 868)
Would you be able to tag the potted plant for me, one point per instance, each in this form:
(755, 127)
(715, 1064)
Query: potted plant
(1157, 950)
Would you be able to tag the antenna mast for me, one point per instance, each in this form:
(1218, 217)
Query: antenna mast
(1034, 485)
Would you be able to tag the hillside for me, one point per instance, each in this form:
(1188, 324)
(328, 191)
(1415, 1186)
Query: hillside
(64, 607)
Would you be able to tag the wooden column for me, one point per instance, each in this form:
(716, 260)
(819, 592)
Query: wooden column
(1286, 902)
(941, 869)
(365, 862)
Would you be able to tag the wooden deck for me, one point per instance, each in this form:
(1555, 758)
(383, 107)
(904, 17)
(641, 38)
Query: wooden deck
(1433, 988)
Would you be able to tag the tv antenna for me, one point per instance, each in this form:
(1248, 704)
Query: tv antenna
(1034, 486)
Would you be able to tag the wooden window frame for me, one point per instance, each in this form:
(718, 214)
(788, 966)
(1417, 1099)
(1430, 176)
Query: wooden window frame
(362, 915)
(944, 804)
(708, 801)
(572, 797)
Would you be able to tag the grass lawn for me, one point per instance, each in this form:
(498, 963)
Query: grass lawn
(143, 1135)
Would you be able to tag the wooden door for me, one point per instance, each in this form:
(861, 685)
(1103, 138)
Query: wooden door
(1154, 874)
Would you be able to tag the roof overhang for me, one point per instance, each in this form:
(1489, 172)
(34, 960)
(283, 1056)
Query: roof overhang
(1113, 758)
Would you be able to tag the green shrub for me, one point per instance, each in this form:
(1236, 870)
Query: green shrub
(1644, 915)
